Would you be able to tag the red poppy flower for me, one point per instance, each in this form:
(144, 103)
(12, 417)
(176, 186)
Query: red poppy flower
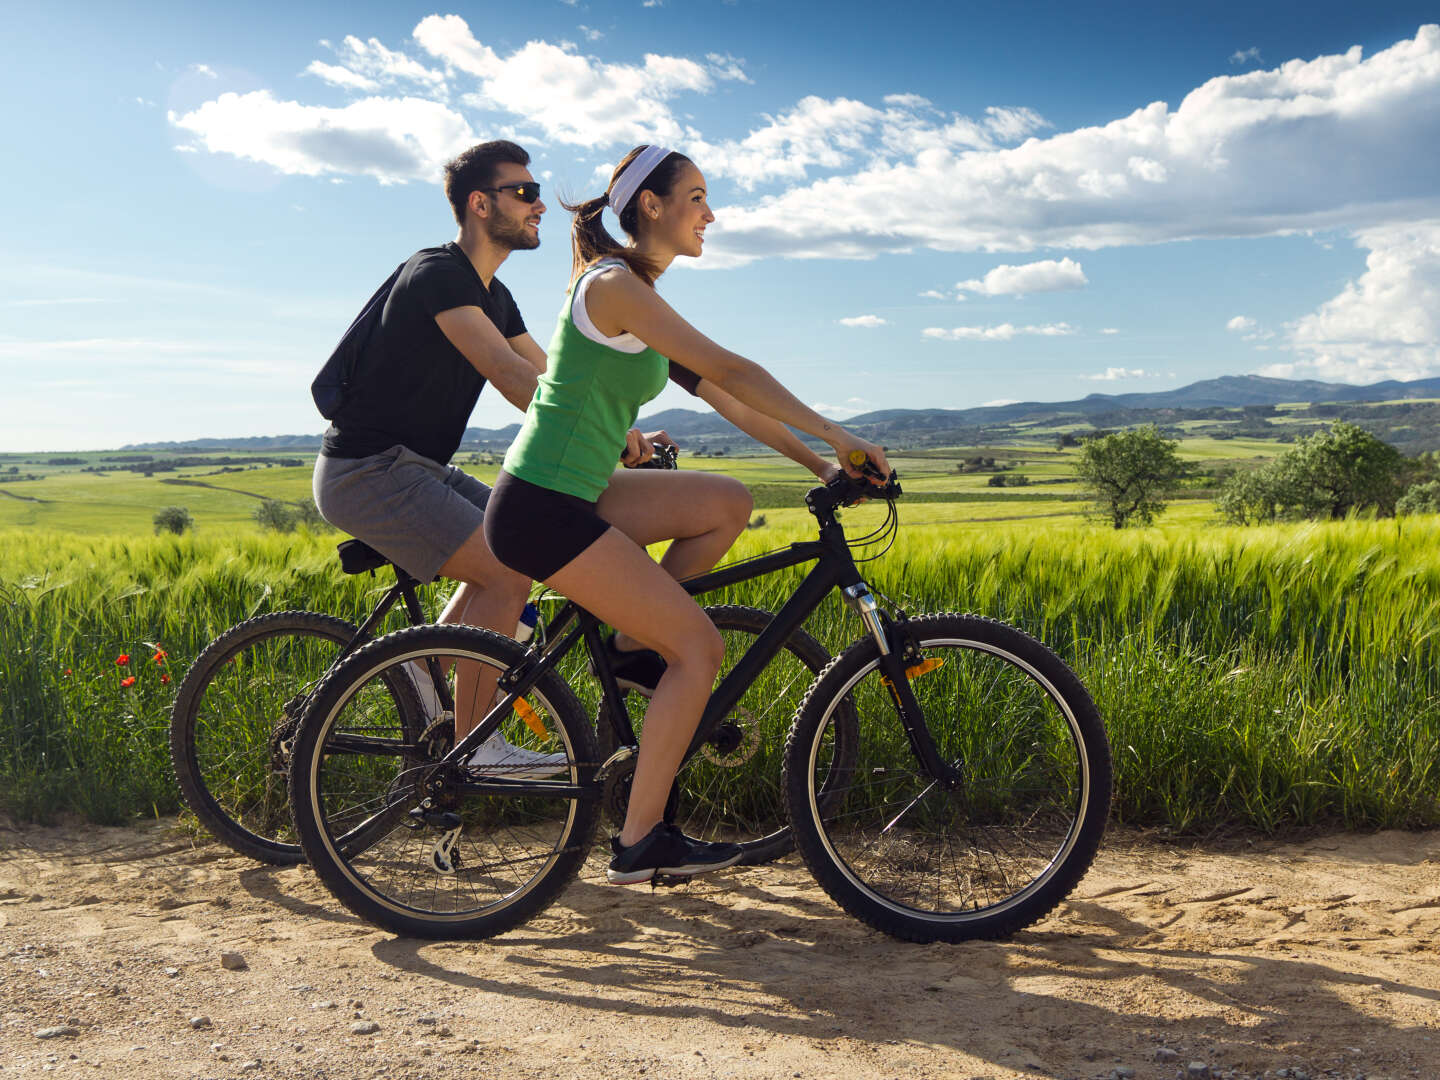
(122, 659)
(160, 655)
(128, 681)
(164, 678)
(67, 671)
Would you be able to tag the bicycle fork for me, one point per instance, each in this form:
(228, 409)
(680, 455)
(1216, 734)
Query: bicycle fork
(898, 655)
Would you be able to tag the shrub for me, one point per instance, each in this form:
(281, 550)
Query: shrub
(174, 519)
(276, 516)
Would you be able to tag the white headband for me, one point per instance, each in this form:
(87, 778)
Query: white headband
(635, 174)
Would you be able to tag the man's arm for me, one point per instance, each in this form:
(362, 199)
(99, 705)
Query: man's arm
(526, 346)
(511, 371)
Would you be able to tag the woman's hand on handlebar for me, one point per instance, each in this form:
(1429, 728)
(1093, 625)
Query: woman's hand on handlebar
(873, 465)
(640, 447)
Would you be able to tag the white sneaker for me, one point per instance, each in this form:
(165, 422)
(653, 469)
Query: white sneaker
(500, 759)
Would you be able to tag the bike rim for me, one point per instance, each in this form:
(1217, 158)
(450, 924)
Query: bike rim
(399, 859)
(846, 850)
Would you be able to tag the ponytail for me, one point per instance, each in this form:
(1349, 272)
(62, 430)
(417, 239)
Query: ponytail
(590, 241)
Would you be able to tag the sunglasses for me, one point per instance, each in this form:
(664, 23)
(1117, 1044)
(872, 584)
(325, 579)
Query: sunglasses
(528, 192)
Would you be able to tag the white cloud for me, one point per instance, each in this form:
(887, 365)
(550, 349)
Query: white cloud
(863, 320)
(571, 98)
(999, 401)
(852, 407)
(1115, 374)
(1002, 332)
(934, 294)
(1383, 325)
(1048, 275)
(727, 68)
(392, 139)
(1338, 140)
(341, 76)
(382, 65)
(1243, 56)
(1240, 324)
(590, 33)
(1109, 330)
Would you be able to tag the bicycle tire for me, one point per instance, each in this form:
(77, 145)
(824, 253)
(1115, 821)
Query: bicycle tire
(908, 857)
(733, 791)
(390, 877)
(224, 720)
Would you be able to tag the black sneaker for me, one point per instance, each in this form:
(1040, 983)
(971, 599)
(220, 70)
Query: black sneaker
(666, 850)
(638, 669)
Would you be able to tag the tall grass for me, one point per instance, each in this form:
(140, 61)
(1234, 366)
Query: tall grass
(1257, 678)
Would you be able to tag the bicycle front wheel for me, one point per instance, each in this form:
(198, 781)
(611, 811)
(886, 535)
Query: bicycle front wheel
(400, 840)
(996, 850)
(235, 714)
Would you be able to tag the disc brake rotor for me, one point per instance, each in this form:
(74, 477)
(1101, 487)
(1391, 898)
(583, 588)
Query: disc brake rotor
(735, 740)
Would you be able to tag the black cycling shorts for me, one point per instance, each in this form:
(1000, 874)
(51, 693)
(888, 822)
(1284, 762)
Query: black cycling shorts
(536, 531)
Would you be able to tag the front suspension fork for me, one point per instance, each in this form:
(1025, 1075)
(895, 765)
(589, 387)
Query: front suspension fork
(897, 653)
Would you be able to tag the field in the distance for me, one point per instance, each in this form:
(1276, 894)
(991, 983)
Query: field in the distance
(223, 489)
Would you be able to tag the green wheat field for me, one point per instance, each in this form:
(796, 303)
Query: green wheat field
(1250, 678)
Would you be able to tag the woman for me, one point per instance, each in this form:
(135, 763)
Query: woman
(562, 515)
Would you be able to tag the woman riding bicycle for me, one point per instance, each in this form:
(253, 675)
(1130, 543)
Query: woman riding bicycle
(561, 514)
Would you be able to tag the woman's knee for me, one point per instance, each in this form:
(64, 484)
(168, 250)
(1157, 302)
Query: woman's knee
(730, 504)
(698, 646)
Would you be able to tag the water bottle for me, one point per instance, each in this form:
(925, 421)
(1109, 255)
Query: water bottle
(528, 620)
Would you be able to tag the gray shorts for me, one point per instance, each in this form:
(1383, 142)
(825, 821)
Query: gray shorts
(414, 511)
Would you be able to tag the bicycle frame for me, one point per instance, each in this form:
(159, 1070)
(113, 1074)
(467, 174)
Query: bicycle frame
(834, 568)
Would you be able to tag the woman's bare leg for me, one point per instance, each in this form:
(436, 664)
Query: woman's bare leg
(702, 513)
(619, 583)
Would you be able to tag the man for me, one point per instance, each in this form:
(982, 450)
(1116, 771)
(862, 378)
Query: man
(447, 327)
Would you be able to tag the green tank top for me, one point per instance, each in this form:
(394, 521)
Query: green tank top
(588, 398)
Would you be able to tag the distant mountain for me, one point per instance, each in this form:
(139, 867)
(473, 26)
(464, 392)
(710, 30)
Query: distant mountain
(1227, 392)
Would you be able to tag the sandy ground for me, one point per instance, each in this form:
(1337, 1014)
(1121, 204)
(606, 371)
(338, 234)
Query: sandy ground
(1315, 959)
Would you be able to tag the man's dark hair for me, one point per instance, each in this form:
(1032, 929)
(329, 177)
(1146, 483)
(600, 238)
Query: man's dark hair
(474, 170)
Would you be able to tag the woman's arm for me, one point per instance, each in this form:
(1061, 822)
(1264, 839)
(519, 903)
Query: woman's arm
(624, 303)
(765, 429)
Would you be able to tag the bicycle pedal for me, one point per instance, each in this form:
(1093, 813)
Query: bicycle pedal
(667, 881)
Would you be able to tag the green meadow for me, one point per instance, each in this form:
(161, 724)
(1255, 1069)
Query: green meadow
(1258, 678)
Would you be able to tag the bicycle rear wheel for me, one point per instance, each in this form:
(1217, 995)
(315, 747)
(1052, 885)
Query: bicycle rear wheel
(464, 864)
(997, 851)
(235, 711)
(731, 790)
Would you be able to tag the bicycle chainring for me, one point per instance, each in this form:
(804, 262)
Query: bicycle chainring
(615, 800)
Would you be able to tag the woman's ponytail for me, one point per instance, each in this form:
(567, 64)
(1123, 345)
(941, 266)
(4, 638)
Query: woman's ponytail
(590, 241)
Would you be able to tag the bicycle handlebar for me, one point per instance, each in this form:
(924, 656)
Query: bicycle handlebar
(663, 458)
(847, 490)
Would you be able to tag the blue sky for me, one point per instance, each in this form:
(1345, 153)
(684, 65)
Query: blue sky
(934, 205)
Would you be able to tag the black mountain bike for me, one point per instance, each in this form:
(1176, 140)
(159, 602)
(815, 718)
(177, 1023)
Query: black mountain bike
(946, 777)
(238, 707)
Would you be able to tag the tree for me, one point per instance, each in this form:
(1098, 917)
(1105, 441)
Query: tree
(1325, 475)
(1130, 474)
(1332, 473)
(275, 515)
(175, 519)
(1420, 499)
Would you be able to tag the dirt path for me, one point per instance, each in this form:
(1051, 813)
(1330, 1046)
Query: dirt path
(1319, 958)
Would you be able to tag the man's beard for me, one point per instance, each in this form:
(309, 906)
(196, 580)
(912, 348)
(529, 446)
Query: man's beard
(511, 234)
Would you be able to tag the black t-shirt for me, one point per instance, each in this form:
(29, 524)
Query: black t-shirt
(415, 388)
